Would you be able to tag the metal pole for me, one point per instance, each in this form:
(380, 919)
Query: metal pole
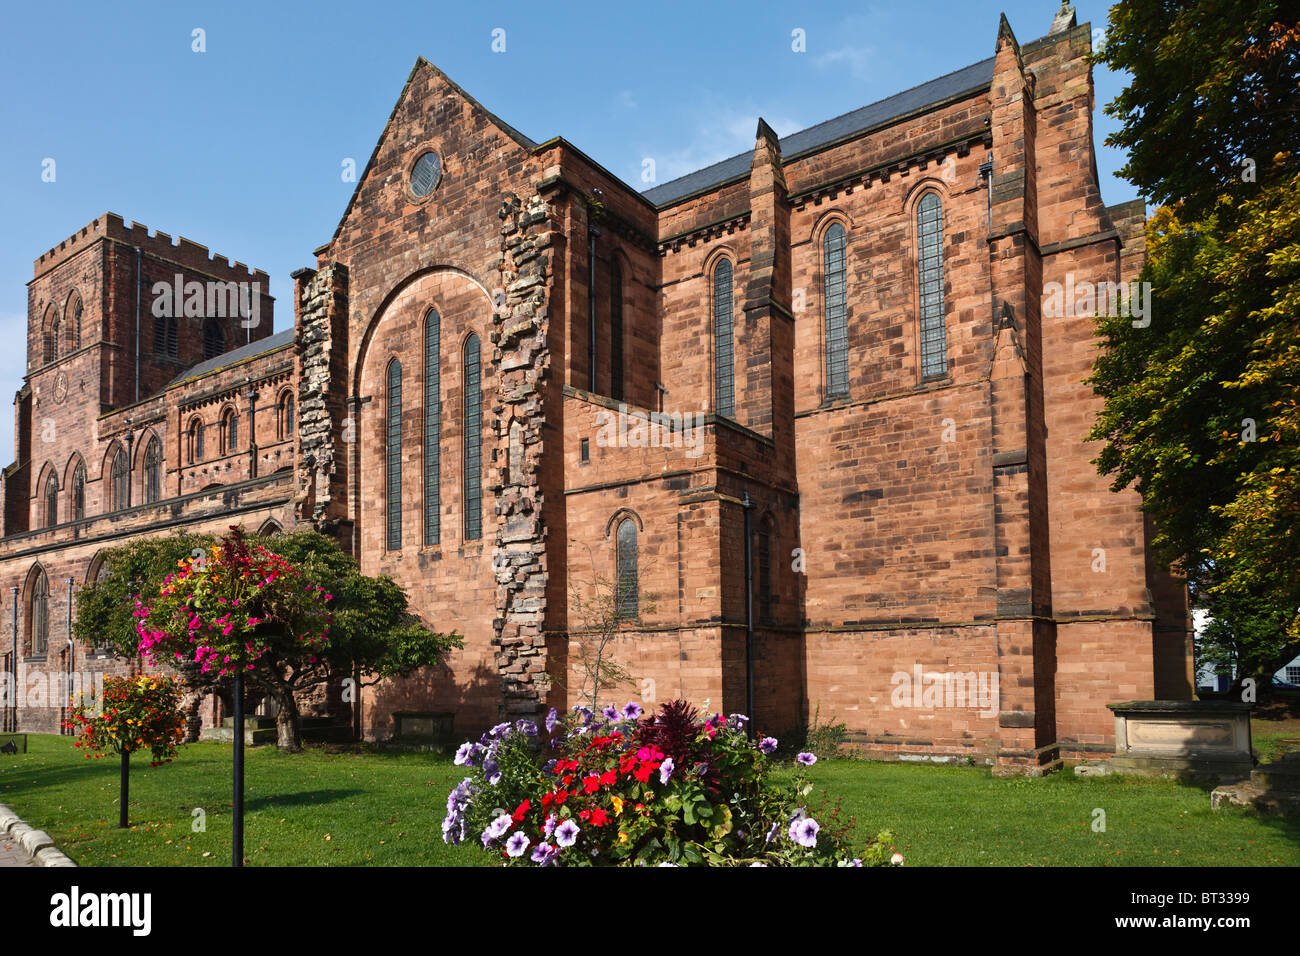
(126, 787)
(13, 706)
(749, 616)
(72, 651)
(237, 823)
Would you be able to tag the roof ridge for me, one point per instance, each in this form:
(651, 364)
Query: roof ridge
(818, 125)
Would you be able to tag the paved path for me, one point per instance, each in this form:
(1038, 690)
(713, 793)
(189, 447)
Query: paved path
(11, 854)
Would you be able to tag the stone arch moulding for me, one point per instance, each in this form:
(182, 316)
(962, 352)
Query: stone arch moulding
(70, 469)
(824, 222)
(912, 258)
(724, 250)
(115, 447)
(142, 447)
(618, 516)
(372, 326)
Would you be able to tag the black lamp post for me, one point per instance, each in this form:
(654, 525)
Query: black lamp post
(237, 803)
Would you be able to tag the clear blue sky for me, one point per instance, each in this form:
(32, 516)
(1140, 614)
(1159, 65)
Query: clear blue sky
(239, 148)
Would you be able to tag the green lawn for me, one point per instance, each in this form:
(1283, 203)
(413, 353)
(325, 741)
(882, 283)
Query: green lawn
(382, 808)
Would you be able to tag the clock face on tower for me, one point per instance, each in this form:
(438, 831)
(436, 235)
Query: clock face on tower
(60, 388)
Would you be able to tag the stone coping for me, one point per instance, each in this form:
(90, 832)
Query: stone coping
(37, 844)
(1181, 707)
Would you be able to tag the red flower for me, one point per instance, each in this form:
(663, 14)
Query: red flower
(599, 817)
(609, 778)
(561, 796)
(591, 784)
(567, 779)
(522, 810)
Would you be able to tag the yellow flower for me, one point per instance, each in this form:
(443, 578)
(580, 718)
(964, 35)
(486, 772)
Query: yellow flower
(618, 805)
(622, 837)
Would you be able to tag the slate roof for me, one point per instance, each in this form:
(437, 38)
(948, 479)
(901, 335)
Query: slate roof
(268, 344)
(961, 82)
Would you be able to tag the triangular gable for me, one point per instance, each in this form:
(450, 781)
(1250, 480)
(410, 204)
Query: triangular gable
(421, 64)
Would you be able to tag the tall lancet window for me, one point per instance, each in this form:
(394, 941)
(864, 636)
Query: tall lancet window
(929, 245)
(836, 299)
(473, 471)
(432, 428)
(393, 457)
(724, 376)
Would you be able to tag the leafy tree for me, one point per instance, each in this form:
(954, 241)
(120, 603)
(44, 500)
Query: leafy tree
(136, 713)
(372, 632)
(1212, 97)
(1200, 407)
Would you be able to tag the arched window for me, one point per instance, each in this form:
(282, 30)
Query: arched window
(473, 471)
(765, 570)
(196, 440)
(834, 293)
(929, 245)
(164, 336)
(49, 347)
(214, 339)
(117, 483)
(626, 599)
(616, 331)
(723, 352)
(40, 614)
(230, 431)
(285, 415)
(153, 458)
(56, 331)
(73, 313)
(79, 492)
(432, 428)
(393, 456)
(51, 501)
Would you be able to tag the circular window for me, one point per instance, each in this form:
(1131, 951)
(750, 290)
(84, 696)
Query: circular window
(425, 174)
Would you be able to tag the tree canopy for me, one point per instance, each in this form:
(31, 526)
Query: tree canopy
(1201, 411)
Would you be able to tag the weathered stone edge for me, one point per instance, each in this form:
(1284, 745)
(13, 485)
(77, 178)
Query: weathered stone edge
(37, 844)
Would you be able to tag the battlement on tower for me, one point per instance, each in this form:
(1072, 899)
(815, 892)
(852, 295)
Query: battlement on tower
(182, 251)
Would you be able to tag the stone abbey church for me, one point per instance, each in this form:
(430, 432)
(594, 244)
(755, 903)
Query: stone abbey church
(848, 457)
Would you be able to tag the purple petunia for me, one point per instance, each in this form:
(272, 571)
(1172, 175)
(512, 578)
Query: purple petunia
(666, 770)
(497, 828)
(632, 711)
(517, 843)
(583, 712)
(738, 721)
(526, 727)
(549, 826)
(806, 758)
(566, 834)
(542, 853)
(500, 729)
(804, 831)
(552, 719)
(771, 834)
(611, 713)
(465, 754)
(767, 745)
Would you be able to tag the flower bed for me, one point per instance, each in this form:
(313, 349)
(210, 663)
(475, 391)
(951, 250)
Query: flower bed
(623, 788)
